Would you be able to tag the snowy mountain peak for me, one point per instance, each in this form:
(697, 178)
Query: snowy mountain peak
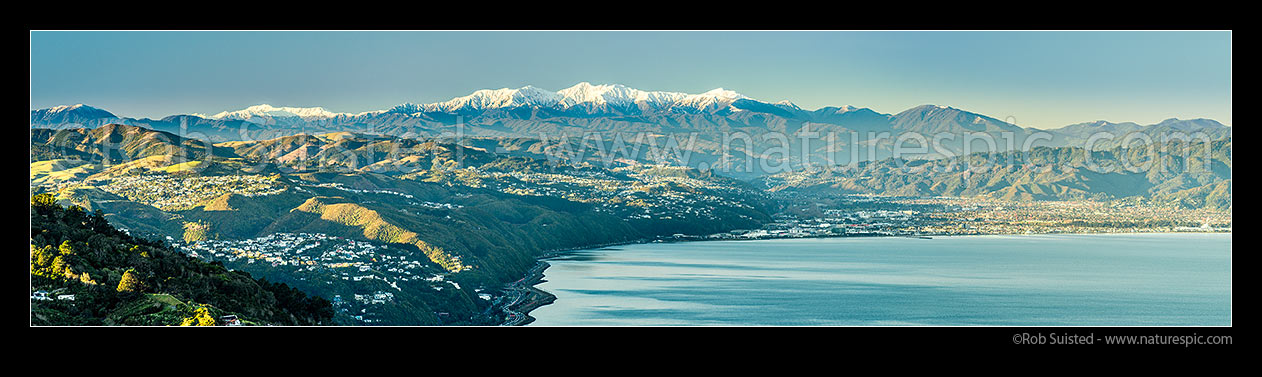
(61, 108)
(496, 98)
(265, 110)
(712, 100)
(78, 107)
(77, 111)
(585, 93)
(846, 109)
(723, 93)
(786, 104)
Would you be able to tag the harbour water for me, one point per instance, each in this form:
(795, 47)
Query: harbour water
(1173, 279)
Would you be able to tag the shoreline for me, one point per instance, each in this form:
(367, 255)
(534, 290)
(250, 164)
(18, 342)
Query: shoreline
(527, 297)
(522, 295)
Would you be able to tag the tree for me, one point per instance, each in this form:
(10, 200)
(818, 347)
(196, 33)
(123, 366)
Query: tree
(43, 200)
(130, 282)
(59, 267)
(66, 248)
(201, 317)
(43, 256)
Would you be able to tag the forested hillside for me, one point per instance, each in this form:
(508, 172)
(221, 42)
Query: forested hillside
(94, 274)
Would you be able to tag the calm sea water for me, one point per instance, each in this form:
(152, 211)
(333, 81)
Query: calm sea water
(1035, 280)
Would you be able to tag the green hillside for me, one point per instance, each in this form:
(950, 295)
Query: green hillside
(117, 279)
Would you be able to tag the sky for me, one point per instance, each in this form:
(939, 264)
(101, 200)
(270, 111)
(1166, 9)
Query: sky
(1043, 79)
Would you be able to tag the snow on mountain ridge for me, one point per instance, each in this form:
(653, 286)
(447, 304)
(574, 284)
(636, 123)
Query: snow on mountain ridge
(61, 108)
(712, 99)
(497, 98)
(77, 110)
(616, 94)
(272, 111)
(584, 94)
(788, 104)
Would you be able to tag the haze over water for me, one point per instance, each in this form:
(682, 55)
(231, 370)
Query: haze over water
(1035, 280)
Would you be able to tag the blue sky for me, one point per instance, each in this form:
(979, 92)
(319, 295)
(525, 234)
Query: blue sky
(1034, 79)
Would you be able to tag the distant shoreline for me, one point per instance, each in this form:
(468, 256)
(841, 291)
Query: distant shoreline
(526, 285)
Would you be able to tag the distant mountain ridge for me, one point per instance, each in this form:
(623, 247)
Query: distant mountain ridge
(78, 113)
(1191, 174)
(266, 110)
(613, 109)
(932, 119)
(586, 99)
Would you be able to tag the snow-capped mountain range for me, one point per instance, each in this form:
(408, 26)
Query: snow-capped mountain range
(584, 97)
(266, 110)
(529, 110)
(612, 110)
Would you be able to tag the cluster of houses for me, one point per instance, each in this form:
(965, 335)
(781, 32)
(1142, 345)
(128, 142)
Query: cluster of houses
(42, 295)
(339, 186)
(309, 251)
(323, 259)
(173, 193)
(350, 260)
(359, 307)
(643, 196)
(376, 298)
(424, 203)
(834, 222)
(990, 216)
